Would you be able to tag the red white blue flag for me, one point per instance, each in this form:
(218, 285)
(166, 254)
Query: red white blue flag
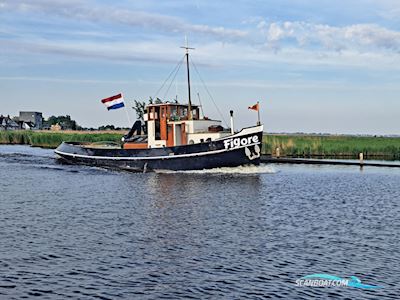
(114, 102)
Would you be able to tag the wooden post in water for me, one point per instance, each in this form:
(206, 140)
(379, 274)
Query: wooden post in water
(361, 157)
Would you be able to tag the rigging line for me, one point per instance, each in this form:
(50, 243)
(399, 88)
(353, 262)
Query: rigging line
(208, 92)
(170, 74)
(196, 87)
(201, 105)
(172, 80)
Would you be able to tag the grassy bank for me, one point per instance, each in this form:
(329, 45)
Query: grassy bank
(290, 145)
(332, 146)
(51, 139)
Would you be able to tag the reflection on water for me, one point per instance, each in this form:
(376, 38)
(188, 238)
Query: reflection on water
(89, 233)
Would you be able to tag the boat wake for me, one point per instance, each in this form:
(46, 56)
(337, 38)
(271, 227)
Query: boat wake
(244, 170)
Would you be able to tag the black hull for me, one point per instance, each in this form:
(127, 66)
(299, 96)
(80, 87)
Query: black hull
(236, 150)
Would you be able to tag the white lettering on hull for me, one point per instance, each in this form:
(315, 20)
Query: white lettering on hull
(237, 142)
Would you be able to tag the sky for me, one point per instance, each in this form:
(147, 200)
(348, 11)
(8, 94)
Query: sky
(315, 66)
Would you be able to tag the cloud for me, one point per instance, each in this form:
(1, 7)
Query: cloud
(263, 43)
(116, 51)
(78, 10)
(212, 55)
(357, 37)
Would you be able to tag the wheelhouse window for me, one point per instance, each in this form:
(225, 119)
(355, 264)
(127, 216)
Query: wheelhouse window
(174, 113)
(183, 113)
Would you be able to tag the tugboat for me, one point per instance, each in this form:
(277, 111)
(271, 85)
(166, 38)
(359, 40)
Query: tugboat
(176, 138)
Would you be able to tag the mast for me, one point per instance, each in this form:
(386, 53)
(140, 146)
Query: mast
(190, 116)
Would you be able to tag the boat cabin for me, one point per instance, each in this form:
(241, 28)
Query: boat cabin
(174, 124)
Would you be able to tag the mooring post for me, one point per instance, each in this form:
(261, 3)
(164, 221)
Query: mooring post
(278, 152)
(361, 156)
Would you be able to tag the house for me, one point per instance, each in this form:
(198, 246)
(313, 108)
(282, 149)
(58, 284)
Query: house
(6, 123)
(33, 117)
(26, 125)
(3, 123)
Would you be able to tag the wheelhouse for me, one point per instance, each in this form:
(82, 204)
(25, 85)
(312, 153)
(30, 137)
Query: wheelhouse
(174, 124)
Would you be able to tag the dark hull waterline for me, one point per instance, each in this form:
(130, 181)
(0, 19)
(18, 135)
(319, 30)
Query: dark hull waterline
(239, 149)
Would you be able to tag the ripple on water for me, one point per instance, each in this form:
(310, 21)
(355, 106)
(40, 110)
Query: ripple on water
(241, 170)
(241, 233)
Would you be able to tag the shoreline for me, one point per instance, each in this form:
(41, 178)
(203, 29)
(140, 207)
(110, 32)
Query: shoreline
(290, 146)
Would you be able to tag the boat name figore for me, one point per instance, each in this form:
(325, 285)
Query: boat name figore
(237, 142)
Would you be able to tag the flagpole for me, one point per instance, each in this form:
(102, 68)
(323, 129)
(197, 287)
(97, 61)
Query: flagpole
(127, 114)
(258, 112)
(129, 119)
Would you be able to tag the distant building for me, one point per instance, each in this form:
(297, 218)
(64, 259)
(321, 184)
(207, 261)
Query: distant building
(35, 118)
(26, 125)
(6, 123)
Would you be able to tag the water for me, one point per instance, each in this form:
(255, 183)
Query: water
(87, 233)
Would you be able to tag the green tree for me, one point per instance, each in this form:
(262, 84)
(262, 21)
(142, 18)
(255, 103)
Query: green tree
(140, 106)
(64, 121)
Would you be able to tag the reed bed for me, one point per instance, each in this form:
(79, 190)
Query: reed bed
(332, 146)
(289, 145)
(51, 139)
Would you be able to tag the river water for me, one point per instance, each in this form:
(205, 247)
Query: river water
(246, 233)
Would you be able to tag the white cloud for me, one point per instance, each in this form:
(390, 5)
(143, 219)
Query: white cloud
(212, 54)
(79, 10)
(286, 42)
(116, 51)
(357, 37)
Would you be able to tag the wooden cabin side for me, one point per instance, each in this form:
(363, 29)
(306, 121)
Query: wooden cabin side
(170, 124)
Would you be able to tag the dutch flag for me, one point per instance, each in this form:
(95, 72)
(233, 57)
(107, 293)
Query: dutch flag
(114, 102)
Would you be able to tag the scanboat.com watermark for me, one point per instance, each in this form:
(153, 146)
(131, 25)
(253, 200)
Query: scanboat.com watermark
(327, 280)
